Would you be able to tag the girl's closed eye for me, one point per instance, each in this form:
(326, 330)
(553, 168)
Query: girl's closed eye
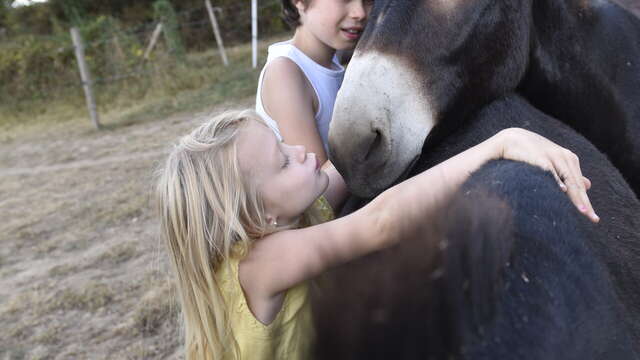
(286, 157)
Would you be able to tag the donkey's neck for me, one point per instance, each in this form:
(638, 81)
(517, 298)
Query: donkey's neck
(561, 39)
(583, 70)
(579, 64)
(578, 45)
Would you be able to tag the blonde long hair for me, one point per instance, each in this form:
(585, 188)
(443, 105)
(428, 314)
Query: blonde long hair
(206, 209)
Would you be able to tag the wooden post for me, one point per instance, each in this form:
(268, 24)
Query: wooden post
(85, 76)
(254, 33)
(216, 31)
(154, 39)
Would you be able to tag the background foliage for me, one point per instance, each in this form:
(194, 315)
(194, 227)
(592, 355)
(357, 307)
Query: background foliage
(37, 60)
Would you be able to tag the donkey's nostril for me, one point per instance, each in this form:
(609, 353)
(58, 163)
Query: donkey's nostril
(374, 147)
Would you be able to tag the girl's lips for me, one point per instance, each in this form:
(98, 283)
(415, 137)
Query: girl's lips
(351, 35)
(315, 160)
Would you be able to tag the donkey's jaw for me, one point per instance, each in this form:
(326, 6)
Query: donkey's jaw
(381, 119)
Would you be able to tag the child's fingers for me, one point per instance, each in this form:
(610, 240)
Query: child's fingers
(559, 180)
(569, 170)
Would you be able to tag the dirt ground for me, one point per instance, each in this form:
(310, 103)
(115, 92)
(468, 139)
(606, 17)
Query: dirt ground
(83, 273)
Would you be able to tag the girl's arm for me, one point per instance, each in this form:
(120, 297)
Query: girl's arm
(283, 259)
(289, 98)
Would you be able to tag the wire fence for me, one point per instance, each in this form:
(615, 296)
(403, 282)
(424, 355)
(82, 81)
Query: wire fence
(119, 55)
(114, 54)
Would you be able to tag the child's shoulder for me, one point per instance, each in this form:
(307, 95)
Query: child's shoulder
(283, 68)
(283, 58)
(285, 79)
(281, 48)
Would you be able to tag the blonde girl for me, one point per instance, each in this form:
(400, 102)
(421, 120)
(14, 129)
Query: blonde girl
(235, 203)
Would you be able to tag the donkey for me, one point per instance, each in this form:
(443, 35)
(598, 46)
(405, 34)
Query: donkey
(423, 67)
(511, 270)
(432, 78)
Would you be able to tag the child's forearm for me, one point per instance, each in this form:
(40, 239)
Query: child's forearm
(418, 199)
(396, 213)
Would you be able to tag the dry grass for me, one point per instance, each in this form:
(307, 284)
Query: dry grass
(63, 270)
(158, 306)
(92, 297)
(82, 272)
(118, 253)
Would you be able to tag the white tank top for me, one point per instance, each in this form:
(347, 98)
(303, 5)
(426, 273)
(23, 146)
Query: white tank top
(325, 83)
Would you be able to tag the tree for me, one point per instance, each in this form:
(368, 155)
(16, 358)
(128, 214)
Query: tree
(5, 7)
(72, 12)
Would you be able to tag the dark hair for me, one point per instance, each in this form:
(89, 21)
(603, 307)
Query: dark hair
(290, 13)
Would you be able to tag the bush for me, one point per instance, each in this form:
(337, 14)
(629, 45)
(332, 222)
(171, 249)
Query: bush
(29, 67)
(37, 71)
(36, 67)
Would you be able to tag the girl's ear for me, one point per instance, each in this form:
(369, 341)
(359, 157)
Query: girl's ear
(271, 220)
(299, 4)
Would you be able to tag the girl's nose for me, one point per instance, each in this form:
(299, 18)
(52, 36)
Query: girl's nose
(358, 10)
(302, 152)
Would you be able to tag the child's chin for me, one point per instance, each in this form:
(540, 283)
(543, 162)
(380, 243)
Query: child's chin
(349, 46)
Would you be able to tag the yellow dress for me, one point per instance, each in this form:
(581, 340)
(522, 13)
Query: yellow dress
(290, 334)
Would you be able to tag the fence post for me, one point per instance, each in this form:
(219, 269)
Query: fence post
(254, 33)
(87, 84)
(216, 31)
(154, 39)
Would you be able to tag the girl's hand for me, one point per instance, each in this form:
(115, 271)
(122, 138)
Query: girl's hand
(522, 145)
